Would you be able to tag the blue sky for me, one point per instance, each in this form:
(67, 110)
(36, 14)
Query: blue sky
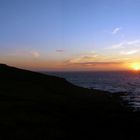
(69, 34)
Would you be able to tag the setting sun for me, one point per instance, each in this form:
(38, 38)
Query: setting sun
(136, 66)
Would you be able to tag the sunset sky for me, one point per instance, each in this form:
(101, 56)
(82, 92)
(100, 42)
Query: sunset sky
(70, 34)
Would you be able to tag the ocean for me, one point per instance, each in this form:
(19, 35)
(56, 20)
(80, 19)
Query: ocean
(114, 82)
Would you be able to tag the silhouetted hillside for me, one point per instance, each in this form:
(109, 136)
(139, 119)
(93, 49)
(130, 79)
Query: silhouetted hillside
(37, 85)
(37, 106)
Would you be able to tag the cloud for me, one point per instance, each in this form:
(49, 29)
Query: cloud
(86, 58)
(60, 51)
(97, 64)
(101, 63)
(35, 54)
(93, 60)
(126, 44)
(133, 42)
(116, 30)
(131, 52)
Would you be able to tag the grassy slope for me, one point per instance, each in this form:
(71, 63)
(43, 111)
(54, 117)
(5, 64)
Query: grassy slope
(37, 106)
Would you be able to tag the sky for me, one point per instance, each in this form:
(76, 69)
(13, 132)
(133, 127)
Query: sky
(75, 35)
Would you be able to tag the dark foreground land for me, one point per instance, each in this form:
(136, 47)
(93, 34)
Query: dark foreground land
(34, 106)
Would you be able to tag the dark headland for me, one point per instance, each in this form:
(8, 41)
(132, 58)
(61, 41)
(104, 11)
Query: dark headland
(34, 106)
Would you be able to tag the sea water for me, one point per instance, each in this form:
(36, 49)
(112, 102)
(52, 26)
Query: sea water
(114, 82)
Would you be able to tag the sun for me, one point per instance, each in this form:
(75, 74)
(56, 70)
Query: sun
(136, 66)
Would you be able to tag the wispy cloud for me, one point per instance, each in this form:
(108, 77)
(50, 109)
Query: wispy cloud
(83, 59)
(126, 44)
(35, 54)
(131, 52)
(93, 60)
(96, 64)
(116, 30)
(101, 63)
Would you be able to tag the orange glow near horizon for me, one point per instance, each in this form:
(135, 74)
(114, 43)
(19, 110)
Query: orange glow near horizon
(53, 65)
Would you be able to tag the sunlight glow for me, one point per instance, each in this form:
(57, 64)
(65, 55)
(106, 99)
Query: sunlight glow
(136, 66)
